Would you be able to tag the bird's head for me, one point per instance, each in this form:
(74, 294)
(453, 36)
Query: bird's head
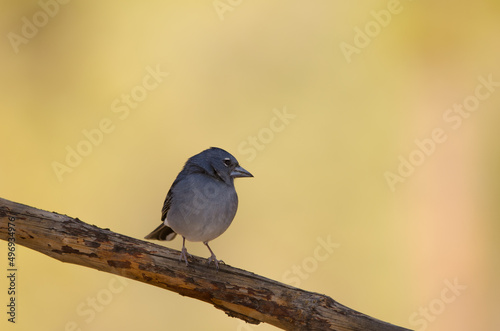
(217, 163)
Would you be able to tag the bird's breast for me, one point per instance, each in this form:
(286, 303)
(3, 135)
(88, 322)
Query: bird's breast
(202, 208)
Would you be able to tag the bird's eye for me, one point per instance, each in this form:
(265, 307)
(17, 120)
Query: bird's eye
(227, 162)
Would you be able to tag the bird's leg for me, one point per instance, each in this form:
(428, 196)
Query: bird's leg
(212, 257)
(184, 252)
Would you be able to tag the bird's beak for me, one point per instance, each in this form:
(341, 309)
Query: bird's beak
(240, 172)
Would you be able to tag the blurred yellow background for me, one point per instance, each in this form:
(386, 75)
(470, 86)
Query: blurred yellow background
(332, 106)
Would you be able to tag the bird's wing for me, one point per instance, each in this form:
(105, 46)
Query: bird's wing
(166, 204)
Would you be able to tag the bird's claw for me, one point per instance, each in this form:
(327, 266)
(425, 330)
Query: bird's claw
(184, 255)
(212, 258)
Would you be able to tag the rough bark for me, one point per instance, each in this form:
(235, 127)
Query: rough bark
(237, 292)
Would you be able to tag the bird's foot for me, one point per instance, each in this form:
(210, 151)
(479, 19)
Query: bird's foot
(212, 258)
(184, 255)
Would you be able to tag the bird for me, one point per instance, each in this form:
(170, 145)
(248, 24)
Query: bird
(202, 201)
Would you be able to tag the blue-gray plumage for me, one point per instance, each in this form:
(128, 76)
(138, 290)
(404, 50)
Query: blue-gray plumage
(202, 201)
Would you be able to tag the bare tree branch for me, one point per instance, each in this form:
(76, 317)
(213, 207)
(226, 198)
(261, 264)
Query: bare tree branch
(237, 292)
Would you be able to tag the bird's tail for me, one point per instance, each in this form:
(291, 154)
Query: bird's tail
(162, 232)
